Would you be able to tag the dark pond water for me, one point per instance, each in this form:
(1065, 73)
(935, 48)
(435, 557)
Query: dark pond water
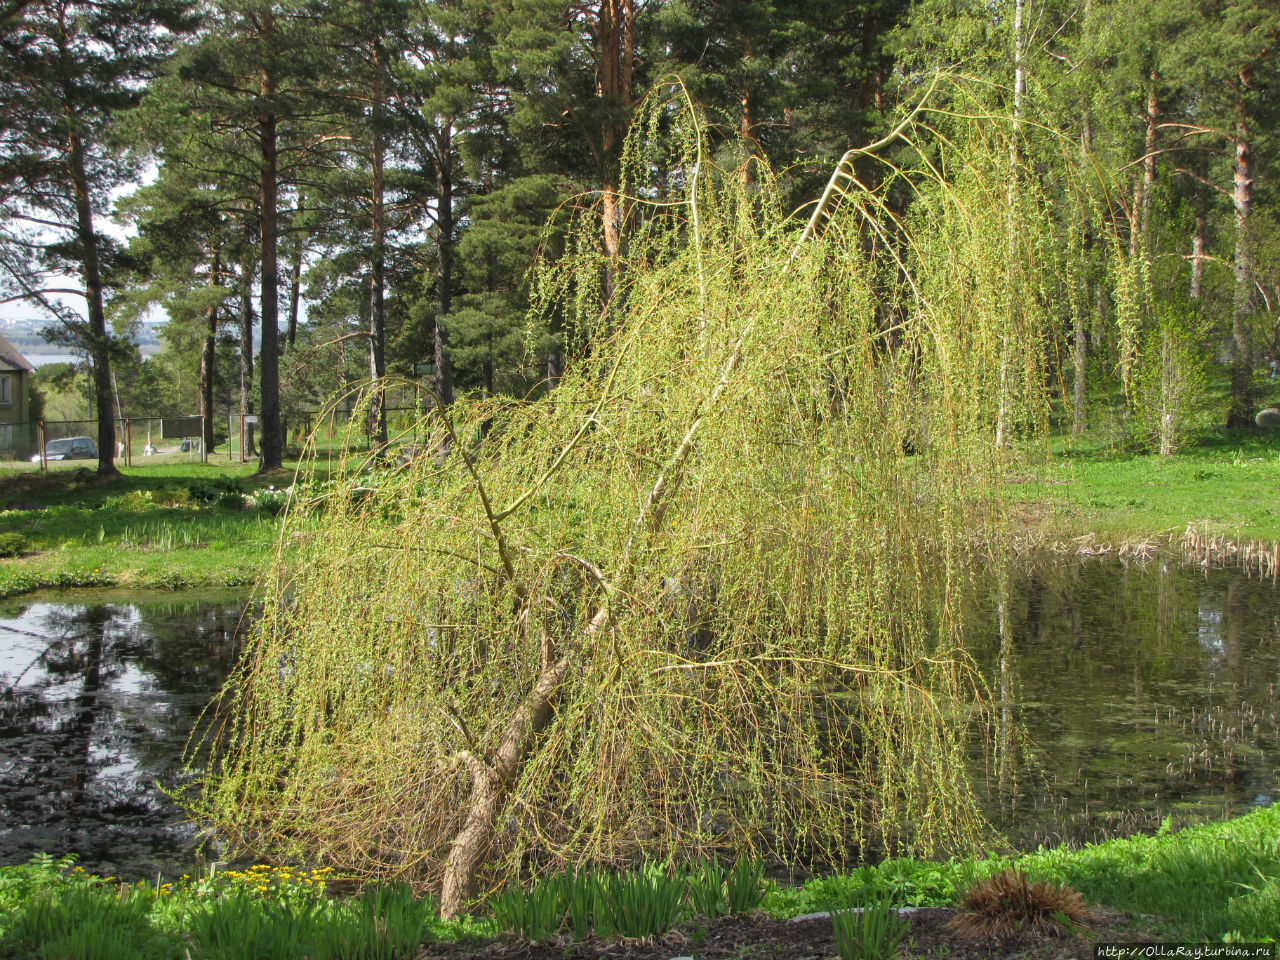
(1141, 693)
(97, 697)
(1145, 692)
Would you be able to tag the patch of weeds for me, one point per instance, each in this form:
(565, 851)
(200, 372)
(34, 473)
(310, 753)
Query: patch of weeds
(73, 579)
(744, 886)
(231, 500)
(172, 581)
(213, 490)
(132, 502)
(641, 903)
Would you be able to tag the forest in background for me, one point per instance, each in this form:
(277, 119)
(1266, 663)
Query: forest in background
(361, 186)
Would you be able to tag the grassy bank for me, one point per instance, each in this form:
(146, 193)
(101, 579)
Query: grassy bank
(1225, 485)
(213, 525)
(172, 527)
(1209, 883)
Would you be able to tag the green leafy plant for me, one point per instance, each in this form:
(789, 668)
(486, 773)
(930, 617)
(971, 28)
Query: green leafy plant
(13, 545)
(583, 893)
(707, 892)
(744, 886)
(76, 920)
(207, 491)
(643, 902)
(236, 924)
(870, 932)
(533, 914)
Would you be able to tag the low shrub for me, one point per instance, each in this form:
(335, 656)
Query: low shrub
(212, 490)
(13, 545)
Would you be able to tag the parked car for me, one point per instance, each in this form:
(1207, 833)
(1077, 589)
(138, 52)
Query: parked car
(69, 448)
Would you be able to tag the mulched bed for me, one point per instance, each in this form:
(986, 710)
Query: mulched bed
(746, 938)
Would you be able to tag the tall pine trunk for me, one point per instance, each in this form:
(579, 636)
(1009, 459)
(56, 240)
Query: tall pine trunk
(377, 313)
(246, 355)
(615, 36)
(269, 367)
(208, 356)
(1199, 243)
(295, 281)
(1019, 91)
(1080, 351)
(1239, 408)
(444, 263)
(99, 345)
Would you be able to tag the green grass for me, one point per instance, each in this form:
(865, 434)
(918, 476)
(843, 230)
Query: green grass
(51, 909)
(169, 527)
(145, 529)
(1209, 882)
(1225, 484)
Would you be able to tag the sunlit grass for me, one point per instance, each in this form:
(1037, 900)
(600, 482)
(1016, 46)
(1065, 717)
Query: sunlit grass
(1208, 882)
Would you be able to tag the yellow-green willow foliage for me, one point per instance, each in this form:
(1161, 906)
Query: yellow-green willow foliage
(698, 597)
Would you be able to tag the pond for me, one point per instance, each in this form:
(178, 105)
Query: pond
(98, 694)
(1140, 693)
(1145, 692)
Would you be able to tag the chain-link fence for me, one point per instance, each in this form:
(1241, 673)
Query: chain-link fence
(157, 441)
(67, 444)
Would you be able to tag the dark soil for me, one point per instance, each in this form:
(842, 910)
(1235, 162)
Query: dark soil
(750, 938)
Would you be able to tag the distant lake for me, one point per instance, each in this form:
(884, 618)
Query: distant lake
(44, 359)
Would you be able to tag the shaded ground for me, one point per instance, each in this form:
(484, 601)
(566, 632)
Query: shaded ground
(747, 938)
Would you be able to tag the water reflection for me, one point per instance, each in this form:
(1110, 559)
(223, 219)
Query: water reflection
(1146, 692)
(96, 701)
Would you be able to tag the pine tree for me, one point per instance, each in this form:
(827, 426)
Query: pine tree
(256, 75)
(70, 68)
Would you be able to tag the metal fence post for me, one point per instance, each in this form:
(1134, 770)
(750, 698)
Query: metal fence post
(44, 463)
(128, 443)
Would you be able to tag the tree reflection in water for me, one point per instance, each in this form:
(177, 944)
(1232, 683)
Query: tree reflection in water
(97, 699)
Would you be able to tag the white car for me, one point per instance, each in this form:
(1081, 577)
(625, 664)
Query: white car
(69, 448)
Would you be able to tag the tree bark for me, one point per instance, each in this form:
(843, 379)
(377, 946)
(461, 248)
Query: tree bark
(295, 283)
(377, 312)
(444, 263)
(1239, 408)
(493, 777)
(1019, 91)
(208, 357)
(246, 354)
(615, 37)
(269, 369)
(99, 344)
(1199, 244)
(1080, 354)
(1149, 162)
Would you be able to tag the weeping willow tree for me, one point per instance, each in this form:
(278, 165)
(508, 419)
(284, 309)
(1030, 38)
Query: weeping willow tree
(702, 596)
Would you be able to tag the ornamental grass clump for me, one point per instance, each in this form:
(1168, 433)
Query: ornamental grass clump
(703, 595)
(1008, 904)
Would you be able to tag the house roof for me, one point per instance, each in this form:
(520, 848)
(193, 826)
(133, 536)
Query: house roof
(12, 359)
